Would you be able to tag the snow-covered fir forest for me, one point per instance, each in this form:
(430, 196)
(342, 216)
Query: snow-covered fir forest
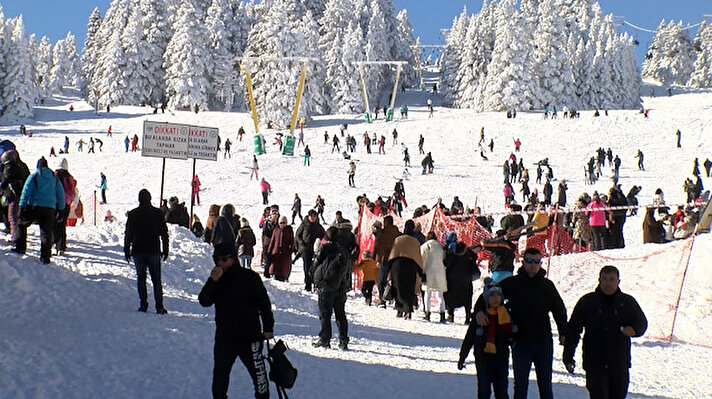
(523, 55)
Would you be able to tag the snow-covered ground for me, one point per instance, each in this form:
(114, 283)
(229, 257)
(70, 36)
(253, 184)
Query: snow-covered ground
(70, 329)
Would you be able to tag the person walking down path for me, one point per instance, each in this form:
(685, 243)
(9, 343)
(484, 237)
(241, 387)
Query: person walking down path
(307, 156)
(71, 200)
(42, 196)
(146, 241)
(14, 175)
(352, 173)
(610, 318)
(243, 321)
(265, 188)
(255, 168)
(297, 208)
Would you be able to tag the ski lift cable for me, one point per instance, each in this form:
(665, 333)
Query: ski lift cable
(653, 30)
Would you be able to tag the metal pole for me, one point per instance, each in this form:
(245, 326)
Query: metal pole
(192, 202)
(395, 86)
(300, 89)
(248, 76)
(163, 177)
(94, 207)
(363, 88)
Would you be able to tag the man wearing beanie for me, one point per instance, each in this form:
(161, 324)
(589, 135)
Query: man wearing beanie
(243, 320)
(146, 239)
(41, 197)
(611, 318)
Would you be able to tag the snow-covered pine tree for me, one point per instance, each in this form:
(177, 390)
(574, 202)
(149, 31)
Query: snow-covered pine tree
(336, 16)
(451, 58)
(316, 7)
(285, 30)
(43, 65)
(377, 49)
(630, 80)
(186, 61)
(90, 51)
(671, 55)
(109, 61)
(223, 73)
(405, 49)
(18, 87)
(486, 37)
(66, 67)
(157, 31)
(510, 82)
(702, 75)
(467, 76)
(582, 75)
(552, 65)
(346, 89)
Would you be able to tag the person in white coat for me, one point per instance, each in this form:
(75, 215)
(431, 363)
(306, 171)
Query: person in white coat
(433, 256)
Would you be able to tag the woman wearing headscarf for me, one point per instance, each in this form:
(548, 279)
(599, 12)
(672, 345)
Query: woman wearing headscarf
(406, 264)
(460, 269)
(281, 246)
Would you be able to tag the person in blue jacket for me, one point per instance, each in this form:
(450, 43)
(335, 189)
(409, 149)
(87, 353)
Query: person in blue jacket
(102, 186)
(42, 196)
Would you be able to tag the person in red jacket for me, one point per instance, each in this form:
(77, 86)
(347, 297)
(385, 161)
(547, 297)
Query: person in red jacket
(597, 216)
(265, 188)
(195, 199)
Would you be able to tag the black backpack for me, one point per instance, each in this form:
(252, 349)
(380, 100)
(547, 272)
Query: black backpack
(281, 370)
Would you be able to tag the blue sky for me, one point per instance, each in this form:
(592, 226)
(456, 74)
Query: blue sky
(53, 18)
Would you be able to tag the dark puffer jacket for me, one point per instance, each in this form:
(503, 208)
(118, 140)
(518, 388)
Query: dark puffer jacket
(603, 316)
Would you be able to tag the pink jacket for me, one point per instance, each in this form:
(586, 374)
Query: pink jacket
(264, 186)
(508, 191)
(596, 213)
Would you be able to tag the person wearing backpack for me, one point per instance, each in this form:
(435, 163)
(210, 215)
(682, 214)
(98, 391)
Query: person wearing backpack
(41, 198)
(70, 197)
(243, 320)
(331, 279)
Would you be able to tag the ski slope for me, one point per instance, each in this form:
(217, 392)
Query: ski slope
(70, 329)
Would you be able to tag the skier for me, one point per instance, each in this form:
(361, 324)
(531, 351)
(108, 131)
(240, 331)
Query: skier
(255, 168)
(228, 144)
(335, 144)
(639, 155)
(352, 173)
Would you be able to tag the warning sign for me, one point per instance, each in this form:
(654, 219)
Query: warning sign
(165, 140)
(203, 143)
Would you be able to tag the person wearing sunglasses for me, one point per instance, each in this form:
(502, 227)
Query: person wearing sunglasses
(530, 298)
(243, 320)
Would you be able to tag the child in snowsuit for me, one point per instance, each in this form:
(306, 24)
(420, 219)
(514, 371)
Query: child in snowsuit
(369, 267)
(490, 345)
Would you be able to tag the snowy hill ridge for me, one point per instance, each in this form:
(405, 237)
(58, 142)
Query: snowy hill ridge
(70, 329)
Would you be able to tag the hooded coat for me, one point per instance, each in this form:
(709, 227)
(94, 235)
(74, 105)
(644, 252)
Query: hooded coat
(433, 256)
(245, 242)
(225, 229)
(43, 189)
(460, 269)
(281, 246)
(406, 265)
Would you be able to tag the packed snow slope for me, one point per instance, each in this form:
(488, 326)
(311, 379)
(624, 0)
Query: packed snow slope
(70, 329)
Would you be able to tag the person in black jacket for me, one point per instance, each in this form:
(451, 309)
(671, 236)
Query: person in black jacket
(531, 296)
(610, 318)
(309, 231)
(243, 320)
(177, 213)
(331, 279)
(460, 270)
(14, 175)
(146, 239)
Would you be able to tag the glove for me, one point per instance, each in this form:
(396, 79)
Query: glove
(461, 364)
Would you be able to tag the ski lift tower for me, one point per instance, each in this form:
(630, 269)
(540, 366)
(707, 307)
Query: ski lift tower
(247, 64)
(399, 68)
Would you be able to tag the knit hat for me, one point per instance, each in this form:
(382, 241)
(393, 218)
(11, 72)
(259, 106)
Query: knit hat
(491, 287)
(224, 249)
(41, 163)
(62, 164)
(274, 209)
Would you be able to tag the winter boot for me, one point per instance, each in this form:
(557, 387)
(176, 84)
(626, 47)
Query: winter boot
(450, 317)
(427, 316)
(442, 317)
(321, 344)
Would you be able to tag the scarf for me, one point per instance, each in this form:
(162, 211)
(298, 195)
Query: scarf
(499, 322)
